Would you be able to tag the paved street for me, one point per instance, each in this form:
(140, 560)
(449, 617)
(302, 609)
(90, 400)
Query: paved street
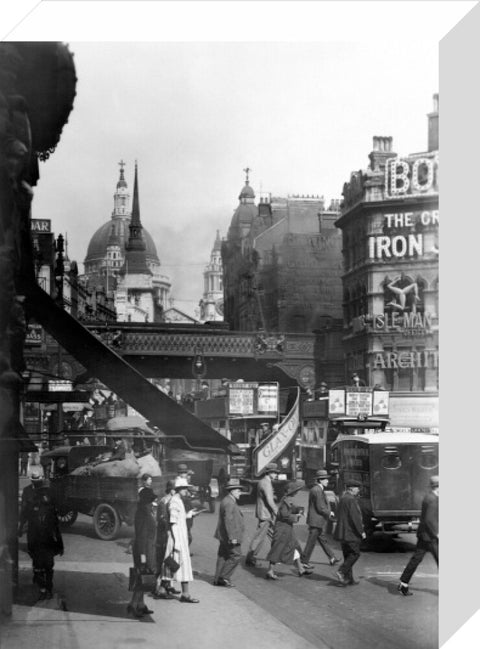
(91, 578)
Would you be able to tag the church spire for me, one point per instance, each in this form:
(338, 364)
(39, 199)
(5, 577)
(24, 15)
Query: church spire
(135, 221)
(135, 249)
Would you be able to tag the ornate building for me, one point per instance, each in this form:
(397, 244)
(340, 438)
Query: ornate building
(389, 224)
(282, 264)
(282, 272)
(211, 305)
(122, 258)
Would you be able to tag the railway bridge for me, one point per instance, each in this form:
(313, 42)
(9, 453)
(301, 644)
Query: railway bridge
(171, 350)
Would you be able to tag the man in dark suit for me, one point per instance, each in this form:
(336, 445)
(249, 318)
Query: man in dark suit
(44, 539)
(319, 514)
(427, 535)
(349, 531)
(229, 532)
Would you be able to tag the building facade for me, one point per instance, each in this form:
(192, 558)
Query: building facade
(282, 273)
(389, 225)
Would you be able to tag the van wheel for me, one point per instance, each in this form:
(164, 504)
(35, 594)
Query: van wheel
(106, 522)
(67, 517)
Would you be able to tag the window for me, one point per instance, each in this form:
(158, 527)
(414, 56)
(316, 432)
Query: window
(391, 459)
(428, 457)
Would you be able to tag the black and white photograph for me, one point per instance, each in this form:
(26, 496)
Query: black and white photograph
(220, 325)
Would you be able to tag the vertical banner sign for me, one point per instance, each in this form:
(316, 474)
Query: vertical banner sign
(273, 446)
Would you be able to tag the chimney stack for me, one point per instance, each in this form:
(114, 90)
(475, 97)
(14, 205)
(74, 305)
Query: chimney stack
(433, 125)
(382, 151)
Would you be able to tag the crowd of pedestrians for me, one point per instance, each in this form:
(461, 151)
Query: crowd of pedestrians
(162, 536)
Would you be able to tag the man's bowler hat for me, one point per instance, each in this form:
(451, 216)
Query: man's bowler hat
(321, 474)
(233, 484)
(271, 468)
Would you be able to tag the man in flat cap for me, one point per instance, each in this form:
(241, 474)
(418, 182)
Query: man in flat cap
(319, 514)
(349, 531)
(229, 532)
(265, 511)
(427, 535)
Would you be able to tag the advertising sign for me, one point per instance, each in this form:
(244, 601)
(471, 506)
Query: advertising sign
(381, 402)
(314, 433)
(240, 398)
(272, 447)
(60, 386)
(250, 399)
(34, 335)
(336, 402)
(41, 225)
(358, 404)
(267, 399)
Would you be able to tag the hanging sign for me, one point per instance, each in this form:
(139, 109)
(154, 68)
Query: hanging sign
(273, 446)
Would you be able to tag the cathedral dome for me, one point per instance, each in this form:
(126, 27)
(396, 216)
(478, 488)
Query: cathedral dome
(116, 231)
(97, 248)
(247, 192)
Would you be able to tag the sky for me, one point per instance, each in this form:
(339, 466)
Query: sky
(301, 114)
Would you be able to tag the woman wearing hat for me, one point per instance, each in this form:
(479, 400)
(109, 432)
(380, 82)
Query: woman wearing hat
(143, 549)
(177, 543)
(164, 589)
(285, 547)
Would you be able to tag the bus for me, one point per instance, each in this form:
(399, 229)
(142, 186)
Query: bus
(394, 470)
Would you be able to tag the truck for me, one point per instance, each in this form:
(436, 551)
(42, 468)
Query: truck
(393, 467)
(111, 500)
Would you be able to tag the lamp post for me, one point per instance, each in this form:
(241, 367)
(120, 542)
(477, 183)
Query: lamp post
(59, 272)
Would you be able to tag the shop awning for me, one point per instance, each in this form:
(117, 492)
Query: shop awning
(180, 427)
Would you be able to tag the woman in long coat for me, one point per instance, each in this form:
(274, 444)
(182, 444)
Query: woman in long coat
(177, 542)
(144, 551)
(285, 547)
(163, 588)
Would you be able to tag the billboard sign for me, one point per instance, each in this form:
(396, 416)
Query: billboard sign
(359, 403)
(252, 399)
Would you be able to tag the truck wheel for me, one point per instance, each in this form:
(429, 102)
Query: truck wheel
(67, 517)
(106, 522)
(211, 505)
